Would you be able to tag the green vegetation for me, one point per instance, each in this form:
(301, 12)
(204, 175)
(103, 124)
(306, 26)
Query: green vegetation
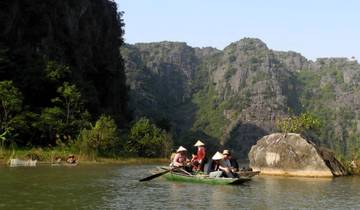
(62, 88)
(320, 91)
(146, 140)
(302, 124)
(209, 117)
(10, 106)
(100, 140)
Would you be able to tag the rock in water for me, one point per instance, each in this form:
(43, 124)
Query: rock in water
(292, 155)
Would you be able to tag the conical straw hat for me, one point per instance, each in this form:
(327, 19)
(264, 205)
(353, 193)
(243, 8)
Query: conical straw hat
(218, 156)
(181, 149)
(199, 143)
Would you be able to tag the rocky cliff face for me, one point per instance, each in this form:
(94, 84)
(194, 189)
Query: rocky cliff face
(234, 96)
(160, 76)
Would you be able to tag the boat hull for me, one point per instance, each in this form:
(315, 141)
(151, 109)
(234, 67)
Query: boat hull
(175, 176)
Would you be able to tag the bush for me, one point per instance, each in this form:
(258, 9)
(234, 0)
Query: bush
(146, 140)
(102, 139)
(298, 124)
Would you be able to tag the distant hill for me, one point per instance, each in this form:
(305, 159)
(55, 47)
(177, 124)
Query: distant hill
(232, 97)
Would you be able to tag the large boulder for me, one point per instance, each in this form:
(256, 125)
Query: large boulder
(290, 154)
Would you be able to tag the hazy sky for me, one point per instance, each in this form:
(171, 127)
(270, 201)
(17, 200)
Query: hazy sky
(315, 28)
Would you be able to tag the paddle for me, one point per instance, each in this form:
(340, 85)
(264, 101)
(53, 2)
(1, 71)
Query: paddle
(157, 175)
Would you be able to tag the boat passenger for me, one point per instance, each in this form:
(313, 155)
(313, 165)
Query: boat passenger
(214, 166)
(179, 158)
(201, 155)
(71, 159)
(217, 167)
(230, 162)
(58, 159)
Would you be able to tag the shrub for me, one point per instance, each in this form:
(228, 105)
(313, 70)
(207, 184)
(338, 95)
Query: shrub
(298, 124)
(102, 139)
(146, 140)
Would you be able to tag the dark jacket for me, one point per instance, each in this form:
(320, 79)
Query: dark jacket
(211, 167)
(234, 164)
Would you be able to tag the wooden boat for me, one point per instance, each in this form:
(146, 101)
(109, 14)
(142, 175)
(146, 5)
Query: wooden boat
(202, 178)
(27, 163)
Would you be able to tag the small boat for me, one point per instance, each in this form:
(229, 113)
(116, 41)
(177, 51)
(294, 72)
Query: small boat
(202, 178)
(17, 162)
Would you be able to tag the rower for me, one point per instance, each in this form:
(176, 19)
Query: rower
(200, 159)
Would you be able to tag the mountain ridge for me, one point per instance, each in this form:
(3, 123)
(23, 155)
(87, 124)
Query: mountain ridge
(234, 96)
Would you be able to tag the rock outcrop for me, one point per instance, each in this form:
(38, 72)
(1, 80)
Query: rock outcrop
(291, 155)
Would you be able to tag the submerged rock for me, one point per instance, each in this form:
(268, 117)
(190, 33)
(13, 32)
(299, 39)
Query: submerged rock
(292, 155)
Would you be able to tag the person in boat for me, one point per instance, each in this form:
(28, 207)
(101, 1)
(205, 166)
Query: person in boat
(71, 159)
(180, 159)
(230, 162)
(57, 159)
(195, 164)
(217, 167)
(200, 159)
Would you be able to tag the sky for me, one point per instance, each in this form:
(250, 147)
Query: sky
(314, 28)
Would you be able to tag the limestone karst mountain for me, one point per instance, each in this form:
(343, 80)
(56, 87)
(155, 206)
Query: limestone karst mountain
(232, 97)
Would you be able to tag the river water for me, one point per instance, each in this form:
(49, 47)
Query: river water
(117, 187)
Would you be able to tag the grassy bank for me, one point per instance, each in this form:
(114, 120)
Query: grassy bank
(47, 156)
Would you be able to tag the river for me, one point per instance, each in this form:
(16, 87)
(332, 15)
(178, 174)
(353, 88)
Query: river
(117, 187)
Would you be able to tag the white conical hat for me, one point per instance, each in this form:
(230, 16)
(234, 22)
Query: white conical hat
(199, 143)
(218, 156)
(181, 149)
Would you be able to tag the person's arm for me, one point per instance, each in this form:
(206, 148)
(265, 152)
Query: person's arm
(176, 160)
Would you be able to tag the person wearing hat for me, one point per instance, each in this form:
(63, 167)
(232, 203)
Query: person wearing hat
(230, 162)
(71, 159)
(217, 169)
(179, 158)
(200, 158)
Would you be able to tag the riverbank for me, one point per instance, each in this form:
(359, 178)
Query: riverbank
(47, 156)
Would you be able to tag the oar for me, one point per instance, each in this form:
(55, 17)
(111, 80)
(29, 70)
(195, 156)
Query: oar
(157, 175)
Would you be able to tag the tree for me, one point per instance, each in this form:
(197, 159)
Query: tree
(102, 139)
(66, 119)
(70, 99)
(146, 140)
(11, 102)
(55, 71)
(50, 124)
